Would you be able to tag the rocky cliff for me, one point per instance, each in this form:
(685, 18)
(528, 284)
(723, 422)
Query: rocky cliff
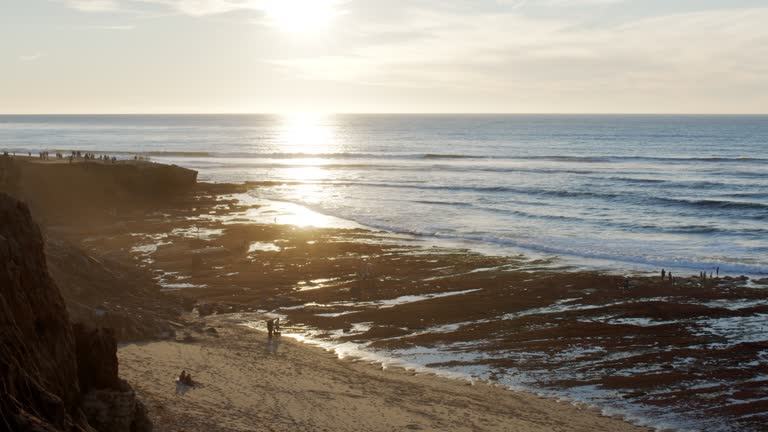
(102, 292)
(40, 387)
(82, 192)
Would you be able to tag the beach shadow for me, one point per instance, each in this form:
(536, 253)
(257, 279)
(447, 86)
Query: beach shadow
(272, 345)
(182, 389)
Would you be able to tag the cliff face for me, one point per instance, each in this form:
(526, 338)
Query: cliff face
(40, 355)
(38, 365)
(102, 292)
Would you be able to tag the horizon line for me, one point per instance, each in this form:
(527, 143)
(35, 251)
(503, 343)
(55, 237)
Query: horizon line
(385, 113)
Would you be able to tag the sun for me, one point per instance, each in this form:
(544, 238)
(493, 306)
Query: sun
(300, 16)
(307, 133)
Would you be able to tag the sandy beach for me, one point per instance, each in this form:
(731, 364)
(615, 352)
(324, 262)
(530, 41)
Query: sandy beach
(247, 383)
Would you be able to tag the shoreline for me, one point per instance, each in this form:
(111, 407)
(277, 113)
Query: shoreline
(291, 387)
(562, 260)
(559, 261)
(359, 354)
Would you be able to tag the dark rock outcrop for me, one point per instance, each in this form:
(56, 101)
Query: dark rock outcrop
(44, 367)
(38, 367)
(108, 401)
(97, 358)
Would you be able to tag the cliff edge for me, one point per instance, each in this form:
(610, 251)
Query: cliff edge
(81, 192)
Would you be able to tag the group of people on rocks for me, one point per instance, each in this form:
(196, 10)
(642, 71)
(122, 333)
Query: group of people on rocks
(667, 275)
(91, 157)
(76, 154)
(703, 275)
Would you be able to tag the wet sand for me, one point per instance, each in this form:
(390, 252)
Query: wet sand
(246, 383)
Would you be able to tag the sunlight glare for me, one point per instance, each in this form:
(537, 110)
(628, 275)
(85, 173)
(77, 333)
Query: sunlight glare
(307, 134)
(301, 16)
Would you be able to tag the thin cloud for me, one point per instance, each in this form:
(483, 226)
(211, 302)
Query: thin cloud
(30, 57)
(106, 27)
(93, 5)
(187, 7)
(497, 50)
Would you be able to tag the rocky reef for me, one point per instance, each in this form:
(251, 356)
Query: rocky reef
(52, 377)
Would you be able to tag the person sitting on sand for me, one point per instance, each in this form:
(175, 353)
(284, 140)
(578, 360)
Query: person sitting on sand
(186, 379)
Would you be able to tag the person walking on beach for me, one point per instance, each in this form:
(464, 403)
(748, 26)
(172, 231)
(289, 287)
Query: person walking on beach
(270, 327)
(663, 273)
(717, 271)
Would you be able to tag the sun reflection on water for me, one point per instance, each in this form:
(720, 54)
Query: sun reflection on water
(307, 134)
(312, 135)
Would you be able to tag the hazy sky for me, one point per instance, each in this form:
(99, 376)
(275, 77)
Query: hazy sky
(97, 56)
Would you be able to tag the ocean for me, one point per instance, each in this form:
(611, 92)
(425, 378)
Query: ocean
(616, 192)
